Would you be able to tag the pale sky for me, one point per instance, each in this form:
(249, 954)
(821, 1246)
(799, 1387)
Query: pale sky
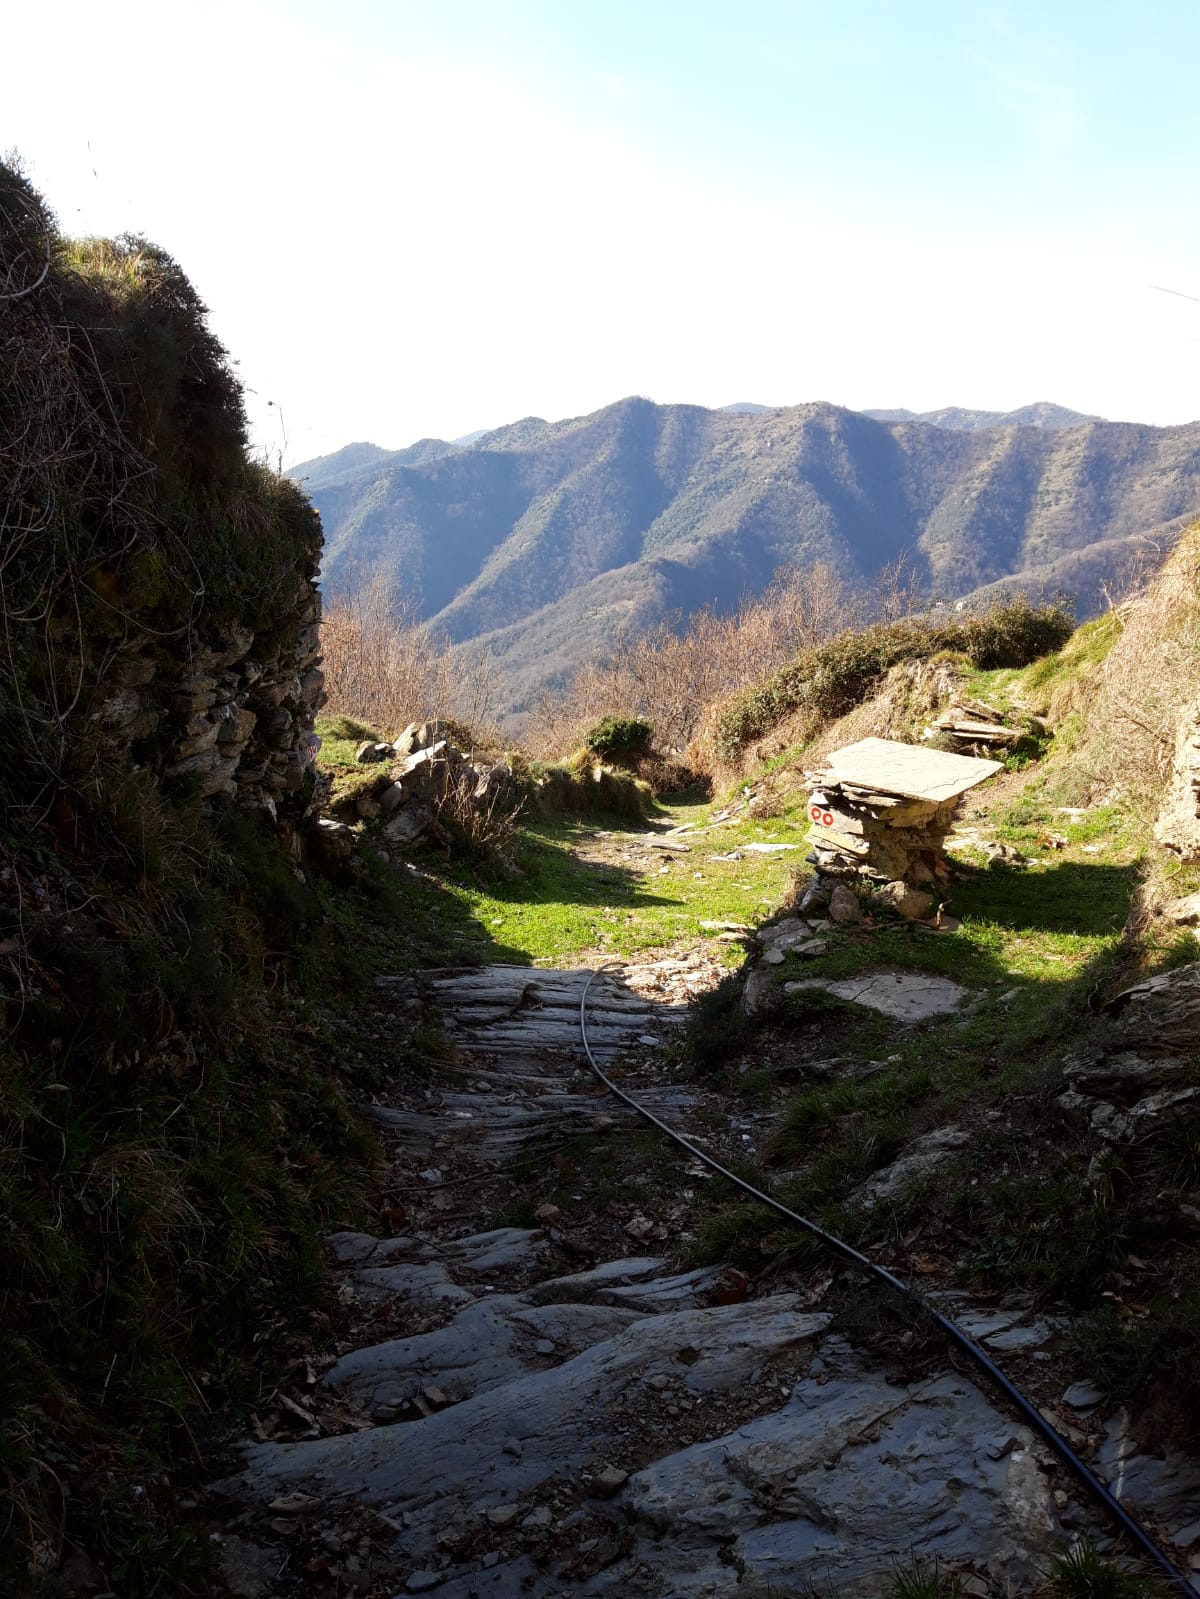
(414, 219)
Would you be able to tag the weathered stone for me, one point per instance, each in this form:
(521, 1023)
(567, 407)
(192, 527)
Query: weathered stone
(421, 1581)
(604, 1484)
(907, 996)
(917, 1161)
(418, 766)
(1124, 1074)
(211, 772)
(199, 742)
(188, 701)
(911, 903)
(391, 799)
(844, 908)
(762, 996)
(1185, 912)
(236, 725)
(561, 1406)
(1083, 1396)
(1161, 1014)
(407, 825)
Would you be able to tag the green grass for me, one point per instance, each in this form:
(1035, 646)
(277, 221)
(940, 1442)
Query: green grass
(1083, 1572)
(560, 906)
(1033, 945)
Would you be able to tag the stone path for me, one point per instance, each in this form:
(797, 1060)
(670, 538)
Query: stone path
(518, 1010)
(548, 1425)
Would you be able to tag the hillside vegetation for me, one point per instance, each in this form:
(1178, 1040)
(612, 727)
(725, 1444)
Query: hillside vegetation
(542, 539)
(173, 1139)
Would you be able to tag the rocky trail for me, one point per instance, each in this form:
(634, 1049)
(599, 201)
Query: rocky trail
(525, 1402)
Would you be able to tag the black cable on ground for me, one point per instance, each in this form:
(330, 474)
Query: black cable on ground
(1096, 1489)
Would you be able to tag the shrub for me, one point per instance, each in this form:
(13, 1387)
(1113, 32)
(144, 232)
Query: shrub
(830, 679)
(386, 668)
(620, 739)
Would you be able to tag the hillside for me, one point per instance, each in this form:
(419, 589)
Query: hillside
(542, 538)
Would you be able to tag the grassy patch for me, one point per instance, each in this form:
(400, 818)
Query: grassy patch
(1046, 682)
(1149, 1361)
(830, 679)
(1033, 945)
(580, 891)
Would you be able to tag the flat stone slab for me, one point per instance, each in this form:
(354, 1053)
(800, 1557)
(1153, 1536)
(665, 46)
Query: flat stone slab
(562, 1417)
(847, 1475)
(490, 1342)
(906, 996)
(912, 771)
(855, 1471)
(527, 1010)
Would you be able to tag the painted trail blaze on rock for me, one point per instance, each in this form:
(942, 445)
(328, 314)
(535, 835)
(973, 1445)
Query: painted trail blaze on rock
(885, 808)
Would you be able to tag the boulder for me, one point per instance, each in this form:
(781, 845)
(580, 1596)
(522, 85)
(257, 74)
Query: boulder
(913, 904)
(762, 996)
(844, 907)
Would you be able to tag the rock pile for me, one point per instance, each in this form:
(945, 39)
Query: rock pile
(1140, 1085)
(884, 809)
(970, 724)
(424, 780)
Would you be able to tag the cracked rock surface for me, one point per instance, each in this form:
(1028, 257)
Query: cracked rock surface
(549, 1417)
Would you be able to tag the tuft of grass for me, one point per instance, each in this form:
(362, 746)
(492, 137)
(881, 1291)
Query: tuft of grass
(1083, 1572)
(1148, 1362)
(921, 1579)
(1057, 1237)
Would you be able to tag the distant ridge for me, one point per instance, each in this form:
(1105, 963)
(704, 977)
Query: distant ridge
(1041, 414)
(542, 539)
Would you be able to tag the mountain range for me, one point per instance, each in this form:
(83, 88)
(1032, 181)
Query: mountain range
(541, 539)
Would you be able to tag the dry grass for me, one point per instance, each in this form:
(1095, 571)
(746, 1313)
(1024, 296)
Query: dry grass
(668, 675)
(1131, 711)
(386, 668)
(484, 826)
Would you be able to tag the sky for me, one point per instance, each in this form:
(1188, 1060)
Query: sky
(426, 217)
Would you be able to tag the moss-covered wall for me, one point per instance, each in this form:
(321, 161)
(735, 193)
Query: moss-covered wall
(174, 1135)
(157, 583)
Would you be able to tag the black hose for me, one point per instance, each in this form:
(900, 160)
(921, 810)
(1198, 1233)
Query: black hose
(1050, 1434)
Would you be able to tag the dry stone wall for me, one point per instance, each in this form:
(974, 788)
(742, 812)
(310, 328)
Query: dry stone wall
(230, 718)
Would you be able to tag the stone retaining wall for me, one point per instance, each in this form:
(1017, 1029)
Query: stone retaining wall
(231, 717)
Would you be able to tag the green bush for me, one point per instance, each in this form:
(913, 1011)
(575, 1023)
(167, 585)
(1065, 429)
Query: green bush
(830, 679)
(623, 740)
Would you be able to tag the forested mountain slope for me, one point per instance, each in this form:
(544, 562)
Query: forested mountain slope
(543, 538)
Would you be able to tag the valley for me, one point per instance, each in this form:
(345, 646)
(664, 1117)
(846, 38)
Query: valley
(542, 544)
